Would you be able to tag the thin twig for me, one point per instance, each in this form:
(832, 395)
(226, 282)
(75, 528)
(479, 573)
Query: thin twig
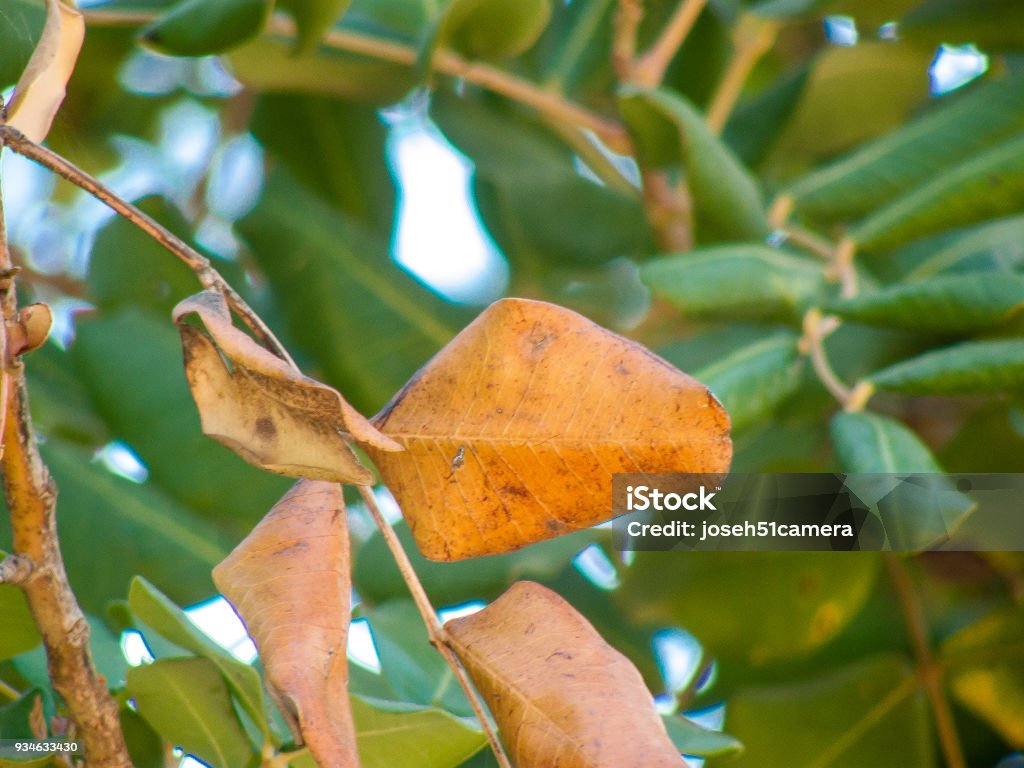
(199, 264)
(594, 158)
(628, 16)
(436, 631)
(928, 668)
(31, 503)
(446, 62)
(754, 36)
(810, 241)
(12, 694)
(817, 328)
(649, 69)
(843, 269)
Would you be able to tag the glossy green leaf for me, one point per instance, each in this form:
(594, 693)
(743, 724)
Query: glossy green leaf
(187, 703)
(14, 716)
(757, 122)
(693, 739)
(758, 607)
(316, 258)
(415, 671)
(531, 196)
(128, 267)
(669, 131)
(336, 148)
(916, 513)
(970, 368)
(205, 27)
(870, 713)
(112, 529)
(22, 25)
(986, 670)
(731, 282)
(391, 734)
(145, 747)
(988, 184)
(992, 25)
(491, 29)
(313, 18)
(959, 303)
(854, 93)
(269, 65)
(130, 360)
(754, 380)
(159, 613)
(20, 633)
(376, 577)
(996, 245)
(957, 127)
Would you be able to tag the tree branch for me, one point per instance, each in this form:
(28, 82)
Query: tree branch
(649, 69)
(928, 668)
(31, 502)
(435, 630)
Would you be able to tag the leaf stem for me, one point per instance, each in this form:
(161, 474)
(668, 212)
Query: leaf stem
(31, 498)
(199, 264)
(817, 328)
(753, 37)
(12, 694)
(435, 630)
(929, 670)
(649, 69)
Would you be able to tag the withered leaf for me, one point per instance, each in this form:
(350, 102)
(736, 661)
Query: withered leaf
(514, 429)
(40, 90)
(30, 331)
(256, 404)
(289, 582)
(560, 694)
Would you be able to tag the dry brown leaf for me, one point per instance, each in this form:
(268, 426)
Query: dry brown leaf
(514, 429)
(31, 329)
(268, 413)
(562, 697)
(289, 581)
(40, 90)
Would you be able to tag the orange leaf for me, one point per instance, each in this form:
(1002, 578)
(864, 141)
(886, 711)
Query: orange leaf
(268, 413)
(514, 429)
(560, 694)
(289, 581)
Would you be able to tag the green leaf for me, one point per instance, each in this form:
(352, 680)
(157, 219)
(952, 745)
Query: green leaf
(992, 25)
(970, 368)
(784, 9)
(870, 713)
(997, 246)
(269, 66)
(145, 747)
(955, 129)
(916, 513)
(731, 282)
(669, 131)
(757, 607)
(205, 27)
(60, 404)
(22, 25)
(693, 739)
(154, 609)
(130, 362)
(336, 148)
(986, 670)
(14, 716)
(362, 318)
(388, 733)
(758, 121)
(377, 578)
(959, 303)
(986, 185)
(313, 18)
(112, 529)
(754, 380)
(531, 196)
(20, 633)
(490, 29)
(415, 671)
(187, 703)
(128, 267)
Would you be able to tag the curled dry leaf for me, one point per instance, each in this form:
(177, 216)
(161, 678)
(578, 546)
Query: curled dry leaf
(289, 582)
(256, 404)
(560, 694)
(31, 329)
(40, 90)
(514, 429)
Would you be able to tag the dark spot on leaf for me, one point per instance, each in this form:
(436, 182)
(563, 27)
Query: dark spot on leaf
(620, 368)
(266, 428)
